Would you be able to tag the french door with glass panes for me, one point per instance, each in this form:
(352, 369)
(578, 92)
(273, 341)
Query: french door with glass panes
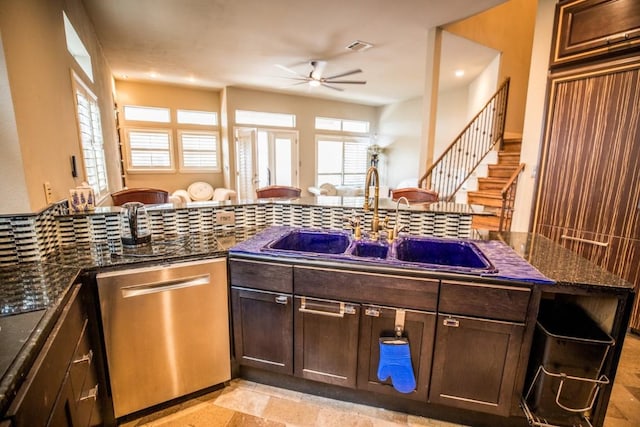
(265, 157)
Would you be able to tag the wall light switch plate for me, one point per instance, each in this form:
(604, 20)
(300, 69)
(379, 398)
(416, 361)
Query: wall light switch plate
(225, 218)
(48, 192)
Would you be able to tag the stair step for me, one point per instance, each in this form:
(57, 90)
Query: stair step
(486, 222)
(491, 183)
(509, 157)
(501, 171)
(486, 198)
(512, 144)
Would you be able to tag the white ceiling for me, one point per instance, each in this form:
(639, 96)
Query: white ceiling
(218, 43)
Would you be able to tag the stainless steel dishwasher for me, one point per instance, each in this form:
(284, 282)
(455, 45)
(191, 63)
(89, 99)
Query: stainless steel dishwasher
(166, 331)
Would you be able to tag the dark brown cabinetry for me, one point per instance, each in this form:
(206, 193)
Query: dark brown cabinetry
(589, 197)
(262, 310)
(326, 340)
(263, 329)
(418, 328)
(477, 358)
(590, 29)
(61, 389)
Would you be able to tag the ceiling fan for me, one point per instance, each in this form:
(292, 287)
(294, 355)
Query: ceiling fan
(315, 78)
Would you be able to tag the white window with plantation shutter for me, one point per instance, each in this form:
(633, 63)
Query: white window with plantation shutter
(341, 160)
(199, 151)
(149, 150)
(91, 141)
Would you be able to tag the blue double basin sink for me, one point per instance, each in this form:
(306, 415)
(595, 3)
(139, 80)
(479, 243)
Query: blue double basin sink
(459, 256)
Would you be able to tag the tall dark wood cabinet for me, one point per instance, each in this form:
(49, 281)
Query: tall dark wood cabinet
(589, 184)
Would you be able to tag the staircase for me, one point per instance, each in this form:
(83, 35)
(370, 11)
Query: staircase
(489, 193)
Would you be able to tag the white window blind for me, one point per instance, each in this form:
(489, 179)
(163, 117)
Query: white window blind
(341, 161)
(149, 150)
(199, 151)
(90, 130)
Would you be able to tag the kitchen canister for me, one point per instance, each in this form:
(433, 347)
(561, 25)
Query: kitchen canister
(82, 199)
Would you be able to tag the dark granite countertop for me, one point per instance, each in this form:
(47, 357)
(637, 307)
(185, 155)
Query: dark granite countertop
(32, 295)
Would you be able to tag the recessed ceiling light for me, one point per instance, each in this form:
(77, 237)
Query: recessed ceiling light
(153, 74)
(459, 73)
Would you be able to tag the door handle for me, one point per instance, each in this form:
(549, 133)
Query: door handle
(281, 299)
(344, 309)
(451, 322)
(169, 285)
(578, 239)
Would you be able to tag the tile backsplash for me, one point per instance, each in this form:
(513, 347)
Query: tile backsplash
(31, 237)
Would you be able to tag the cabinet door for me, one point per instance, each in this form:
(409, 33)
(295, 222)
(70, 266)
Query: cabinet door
(475, 363)
(326, 340)
(263, 329)
(419, 329)
(591, 157)
(586, 29)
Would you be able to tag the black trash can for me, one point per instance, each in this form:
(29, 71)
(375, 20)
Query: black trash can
(568, 352)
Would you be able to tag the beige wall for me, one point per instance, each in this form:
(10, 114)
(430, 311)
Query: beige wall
(39, 73)
(507, 28)
(173, 97)
(12, 180)
(305, 109)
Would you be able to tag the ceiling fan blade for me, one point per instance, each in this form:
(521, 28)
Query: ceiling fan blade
(331, 87)
(351, 82)
(348, 73)
(289, 70)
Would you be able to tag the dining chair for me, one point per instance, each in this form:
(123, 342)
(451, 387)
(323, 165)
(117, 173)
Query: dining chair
(142, 195)
(278, 191)
(415, 195)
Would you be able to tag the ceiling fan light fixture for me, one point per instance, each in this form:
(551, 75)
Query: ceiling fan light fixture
(314, 83)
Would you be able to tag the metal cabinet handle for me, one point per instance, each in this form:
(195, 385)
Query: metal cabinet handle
(373, 312)
(451, 322)
(281, 299)
(89, 394)
(578, 239)
(85, 358)
(344, 309)
(169, 285)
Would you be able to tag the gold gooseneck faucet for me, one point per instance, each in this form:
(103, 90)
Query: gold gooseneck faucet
(372, 172)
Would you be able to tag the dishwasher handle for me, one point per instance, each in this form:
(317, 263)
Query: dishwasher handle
(164, 286)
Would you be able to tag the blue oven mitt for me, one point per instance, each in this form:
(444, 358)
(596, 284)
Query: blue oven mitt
(395, 362)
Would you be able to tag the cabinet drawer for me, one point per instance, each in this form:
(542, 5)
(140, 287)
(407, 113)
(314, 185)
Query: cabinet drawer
(261, 275)
(484, 300)
(36, 397)
(367, 287)
(592, 28)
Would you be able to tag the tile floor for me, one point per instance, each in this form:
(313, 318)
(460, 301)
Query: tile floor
(245, 403)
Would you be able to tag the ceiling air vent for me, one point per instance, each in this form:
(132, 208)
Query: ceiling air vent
(359, 46)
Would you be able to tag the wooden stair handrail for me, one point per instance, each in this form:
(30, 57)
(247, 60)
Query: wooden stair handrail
(509, 183)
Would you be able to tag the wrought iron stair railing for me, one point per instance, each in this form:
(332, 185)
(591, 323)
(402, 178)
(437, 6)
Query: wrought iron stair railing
(456, 164)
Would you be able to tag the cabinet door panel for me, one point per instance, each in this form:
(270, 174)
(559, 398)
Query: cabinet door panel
(590, 28)
(326, 341)
(419, 329)
(483, 300)
(476, 363)
(263, 329)
(591, 158)
(420, 294)
(267, 276)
